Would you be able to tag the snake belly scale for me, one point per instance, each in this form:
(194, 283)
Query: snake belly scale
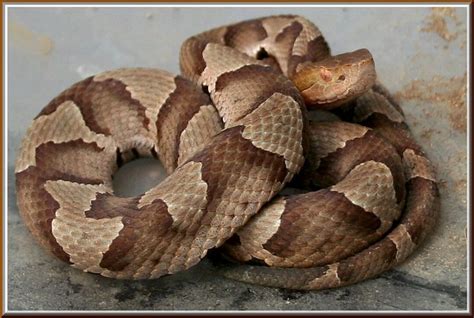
(231, 132)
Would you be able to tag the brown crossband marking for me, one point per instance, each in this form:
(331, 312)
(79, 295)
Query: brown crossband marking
(397, 134)
(59, 162)
(63, 125)
(93, 99)
(284, 42)
(241, 36)
(424, 202)
(54, 162)
(149, 87)
(173, 118)
(37, 209)
(204, 125)
(233, 176)
(336, 165)
(233, 89)
(376, 178)
(191, 60)
(128, 244)
(349, 271)
(328, 210)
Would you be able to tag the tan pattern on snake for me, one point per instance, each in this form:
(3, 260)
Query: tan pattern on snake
(228, 154)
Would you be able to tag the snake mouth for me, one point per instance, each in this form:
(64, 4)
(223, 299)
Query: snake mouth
(336, 80)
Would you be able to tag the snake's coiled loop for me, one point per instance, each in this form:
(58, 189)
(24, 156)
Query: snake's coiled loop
(232, 131)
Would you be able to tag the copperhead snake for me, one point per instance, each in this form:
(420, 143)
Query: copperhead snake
(232, 131)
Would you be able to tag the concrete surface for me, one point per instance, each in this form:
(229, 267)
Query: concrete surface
(420, 55)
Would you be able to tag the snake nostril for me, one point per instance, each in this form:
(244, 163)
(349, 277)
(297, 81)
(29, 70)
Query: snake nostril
(262, 54)
(205, 89)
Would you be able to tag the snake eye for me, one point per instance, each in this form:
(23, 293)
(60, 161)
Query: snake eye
(341, 78)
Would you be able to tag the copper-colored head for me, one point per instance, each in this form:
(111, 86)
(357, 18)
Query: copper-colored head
(336, 79)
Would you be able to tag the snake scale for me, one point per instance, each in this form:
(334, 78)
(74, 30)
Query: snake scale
(232, 131)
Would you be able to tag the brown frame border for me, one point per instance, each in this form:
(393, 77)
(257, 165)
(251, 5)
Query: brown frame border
(2, 136)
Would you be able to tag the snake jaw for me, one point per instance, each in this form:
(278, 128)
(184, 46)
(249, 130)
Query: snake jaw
(336, 80)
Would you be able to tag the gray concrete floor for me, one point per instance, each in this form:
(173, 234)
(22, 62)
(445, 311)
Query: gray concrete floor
(420, 55)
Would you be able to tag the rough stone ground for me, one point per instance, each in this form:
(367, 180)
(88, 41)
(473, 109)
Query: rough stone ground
(420, 55)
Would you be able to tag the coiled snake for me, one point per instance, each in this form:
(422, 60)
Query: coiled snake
(232, 131)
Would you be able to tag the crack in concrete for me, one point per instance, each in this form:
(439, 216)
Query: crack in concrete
(454, 292)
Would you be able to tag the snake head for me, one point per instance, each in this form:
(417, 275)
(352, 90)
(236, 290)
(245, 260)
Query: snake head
(335, 80)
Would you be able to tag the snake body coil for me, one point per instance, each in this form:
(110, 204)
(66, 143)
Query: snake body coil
(231, 132)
